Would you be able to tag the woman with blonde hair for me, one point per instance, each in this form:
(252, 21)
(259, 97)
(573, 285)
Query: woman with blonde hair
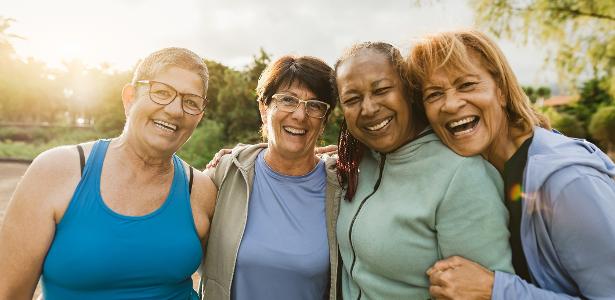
(559, 190)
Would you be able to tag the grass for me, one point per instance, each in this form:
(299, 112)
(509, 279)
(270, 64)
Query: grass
(27, 143)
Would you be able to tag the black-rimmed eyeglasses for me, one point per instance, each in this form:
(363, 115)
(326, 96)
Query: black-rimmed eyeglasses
(163, 94)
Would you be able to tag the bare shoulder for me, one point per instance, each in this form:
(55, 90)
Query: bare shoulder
(55, 165)
(204, 192)
(50, 181)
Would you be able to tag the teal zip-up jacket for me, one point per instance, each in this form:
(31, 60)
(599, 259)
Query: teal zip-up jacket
(431, 204)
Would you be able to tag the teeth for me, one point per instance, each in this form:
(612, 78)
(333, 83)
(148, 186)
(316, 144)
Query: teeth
(165, 125)
(461, 122)
(379, 125)
(462, 132)
(294, 130)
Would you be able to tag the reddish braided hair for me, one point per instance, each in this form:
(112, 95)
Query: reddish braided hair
(350, 152)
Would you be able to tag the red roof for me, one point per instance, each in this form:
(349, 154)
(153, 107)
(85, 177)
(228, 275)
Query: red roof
(560, 100)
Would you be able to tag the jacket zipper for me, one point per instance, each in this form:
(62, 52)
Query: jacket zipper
(354, 218)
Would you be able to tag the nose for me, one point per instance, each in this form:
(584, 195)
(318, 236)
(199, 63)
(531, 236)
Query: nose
(453, 103)
(300, 112)
(175, 107)
(369, 106)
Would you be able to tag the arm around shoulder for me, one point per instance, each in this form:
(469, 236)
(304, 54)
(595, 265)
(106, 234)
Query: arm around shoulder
(37, 204)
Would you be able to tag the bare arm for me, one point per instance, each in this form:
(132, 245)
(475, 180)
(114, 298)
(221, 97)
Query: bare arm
(203, 200)
(36, 206)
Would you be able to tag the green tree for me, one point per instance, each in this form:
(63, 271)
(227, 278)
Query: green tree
(592, 96)
(602, 128)
(582, 32)
(537, 93)
(565, 123)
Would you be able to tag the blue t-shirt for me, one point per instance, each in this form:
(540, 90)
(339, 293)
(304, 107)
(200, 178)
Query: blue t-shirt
(284, 252)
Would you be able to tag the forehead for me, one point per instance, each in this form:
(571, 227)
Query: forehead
(296, 88)
(367, 65)
(471, 65)
(183, 80)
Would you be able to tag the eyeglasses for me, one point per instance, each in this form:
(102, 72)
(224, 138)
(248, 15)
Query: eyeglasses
(313, 108)
(163, 94)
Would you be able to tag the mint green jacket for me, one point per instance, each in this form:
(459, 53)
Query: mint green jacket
(431, 204)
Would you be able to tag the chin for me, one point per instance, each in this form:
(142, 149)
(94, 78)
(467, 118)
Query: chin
(465, 151)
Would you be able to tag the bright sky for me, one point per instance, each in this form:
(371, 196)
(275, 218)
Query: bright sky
(120, 32)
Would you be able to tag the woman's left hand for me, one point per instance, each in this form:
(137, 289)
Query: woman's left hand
(458, 278)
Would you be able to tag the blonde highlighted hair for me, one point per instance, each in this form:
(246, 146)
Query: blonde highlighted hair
(453, 51)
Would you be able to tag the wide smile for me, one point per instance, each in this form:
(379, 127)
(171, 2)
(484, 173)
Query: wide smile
(379, 126)
(463, 126)
(294, 131)
(165, 126)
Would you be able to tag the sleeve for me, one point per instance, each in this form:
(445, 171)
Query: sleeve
(509, 286)
(583, 234)
(471, 221)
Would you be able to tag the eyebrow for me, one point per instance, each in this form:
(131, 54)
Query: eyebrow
(375, 83)
(465, 76)
(436, 86)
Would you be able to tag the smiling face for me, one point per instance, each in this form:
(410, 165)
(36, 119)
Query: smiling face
(375, 106)
(291, 135)
(466, 109)
(161, 128)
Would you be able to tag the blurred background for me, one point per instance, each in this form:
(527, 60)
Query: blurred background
(63, 63)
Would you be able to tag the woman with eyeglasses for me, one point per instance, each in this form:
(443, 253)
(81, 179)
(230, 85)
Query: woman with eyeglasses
(123, 218)
(273, 234)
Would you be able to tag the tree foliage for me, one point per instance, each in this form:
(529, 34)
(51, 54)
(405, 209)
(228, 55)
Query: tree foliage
(602, 128)
(591, 98)
(581, 32)
(32, 93)
(537, 93)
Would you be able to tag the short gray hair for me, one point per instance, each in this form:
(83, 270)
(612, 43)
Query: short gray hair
(172, 57)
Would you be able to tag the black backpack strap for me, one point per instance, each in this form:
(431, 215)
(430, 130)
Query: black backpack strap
(190, 181)
(81, 158)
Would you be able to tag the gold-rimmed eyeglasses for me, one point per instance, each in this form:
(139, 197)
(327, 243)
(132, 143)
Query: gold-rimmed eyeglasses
(289, 103)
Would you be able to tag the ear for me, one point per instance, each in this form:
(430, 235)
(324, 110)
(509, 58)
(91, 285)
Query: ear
(262, 108)
(129, 93)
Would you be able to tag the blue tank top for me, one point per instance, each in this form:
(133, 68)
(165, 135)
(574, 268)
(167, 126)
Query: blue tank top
(97, 253)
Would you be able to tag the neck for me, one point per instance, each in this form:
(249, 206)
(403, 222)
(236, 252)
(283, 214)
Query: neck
(290, 166)
(140, 158)
(505, 146)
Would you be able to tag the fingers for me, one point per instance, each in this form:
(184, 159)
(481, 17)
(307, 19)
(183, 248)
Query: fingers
(445, 264)
(216, 159)
(437, 292)
(325, 149)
